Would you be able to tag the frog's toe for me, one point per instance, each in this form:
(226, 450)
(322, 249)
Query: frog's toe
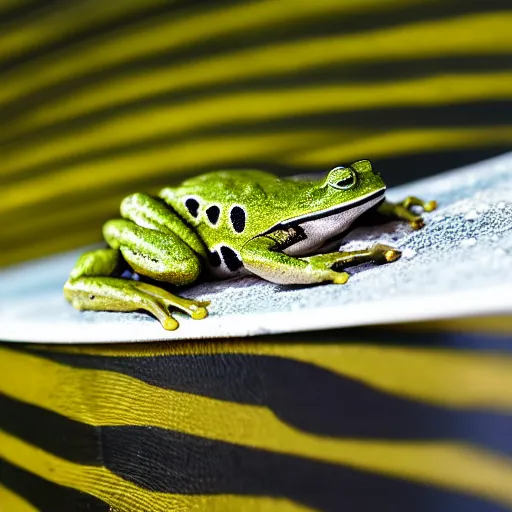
(385, 253)
(157, 296)
(392, 254)
(417, 223)
(169, 323)
(412, 201)
(340, 277)
(198, 310)
(430, 206)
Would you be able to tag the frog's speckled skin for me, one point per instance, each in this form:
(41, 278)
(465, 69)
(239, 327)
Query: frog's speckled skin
(226, 223)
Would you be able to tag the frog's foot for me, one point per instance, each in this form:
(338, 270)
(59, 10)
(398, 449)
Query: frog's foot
(332, 263)
(194, 308)
(114, 294)
(403, 210)
(381, 253)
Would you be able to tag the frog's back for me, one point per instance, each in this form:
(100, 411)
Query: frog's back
(207, 201)
(226, 186)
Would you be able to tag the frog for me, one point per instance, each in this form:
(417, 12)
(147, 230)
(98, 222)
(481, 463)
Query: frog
(232, 223)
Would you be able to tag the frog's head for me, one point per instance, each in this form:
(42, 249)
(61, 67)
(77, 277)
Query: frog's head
(333, 204)
(357, 185)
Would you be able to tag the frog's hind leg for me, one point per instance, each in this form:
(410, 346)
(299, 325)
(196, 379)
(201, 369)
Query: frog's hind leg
(91, 286)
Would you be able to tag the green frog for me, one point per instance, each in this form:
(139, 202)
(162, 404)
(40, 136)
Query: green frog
(230, 223)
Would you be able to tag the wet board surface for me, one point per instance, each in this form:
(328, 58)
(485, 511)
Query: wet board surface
(460, 264)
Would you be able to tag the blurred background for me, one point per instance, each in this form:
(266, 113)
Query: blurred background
(100, 99)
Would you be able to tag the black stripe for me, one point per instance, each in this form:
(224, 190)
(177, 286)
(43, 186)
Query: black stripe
(50, 431)
(310, 27)
(400, 169)
(328, 213)
(467, 115)
(307, 397)
(387, 336)
(174, 462)
(47, 496)
(19, 14)
(467, 341)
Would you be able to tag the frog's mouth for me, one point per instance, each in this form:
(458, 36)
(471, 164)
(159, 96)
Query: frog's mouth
(370, 200)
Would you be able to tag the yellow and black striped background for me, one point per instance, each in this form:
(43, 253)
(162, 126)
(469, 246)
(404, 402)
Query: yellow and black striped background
(392, 419)
(99, 99)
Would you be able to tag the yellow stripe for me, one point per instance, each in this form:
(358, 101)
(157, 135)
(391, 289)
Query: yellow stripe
(454, 378)
(124, 495)
(402, 142)
(150, 38)
(62, 21)
(256, 106)
(106, 398)
(11, 502)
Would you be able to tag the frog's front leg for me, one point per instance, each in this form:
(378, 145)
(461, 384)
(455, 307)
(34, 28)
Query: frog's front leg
(161, 256)
(403, 210)
(263, 256)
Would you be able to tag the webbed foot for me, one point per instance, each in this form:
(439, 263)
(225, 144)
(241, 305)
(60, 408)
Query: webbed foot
(403, 210)
(114, 294)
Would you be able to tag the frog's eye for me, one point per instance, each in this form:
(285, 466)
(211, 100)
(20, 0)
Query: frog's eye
(342, 178)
